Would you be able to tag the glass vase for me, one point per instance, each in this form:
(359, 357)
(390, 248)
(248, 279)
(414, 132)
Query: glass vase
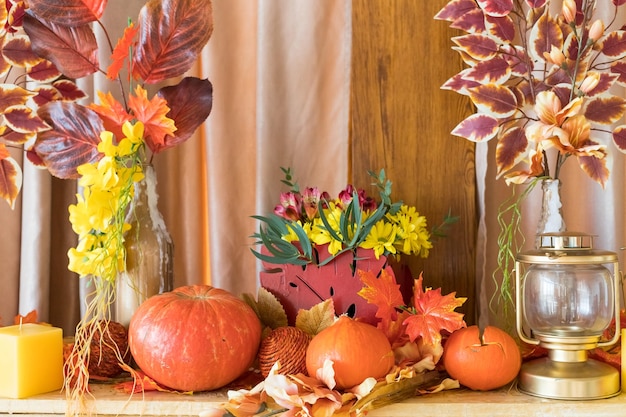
(551, 215)
(149, 252)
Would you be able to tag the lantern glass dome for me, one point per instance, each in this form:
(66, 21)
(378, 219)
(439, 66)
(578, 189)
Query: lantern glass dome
(574, 300)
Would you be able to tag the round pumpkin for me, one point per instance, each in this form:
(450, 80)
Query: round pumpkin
(194, 338)
(358, 351)
(482, 365)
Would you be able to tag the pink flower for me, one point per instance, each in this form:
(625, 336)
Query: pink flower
(290, 206)
(596, 30)
(310, 199)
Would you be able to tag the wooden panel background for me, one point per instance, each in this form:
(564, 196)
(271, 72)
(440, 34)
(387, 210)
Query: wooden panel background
(401, 121)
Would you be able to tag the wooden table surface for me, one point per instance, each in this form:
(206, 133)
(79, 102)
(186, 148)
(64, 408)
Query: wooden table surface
(454, 403)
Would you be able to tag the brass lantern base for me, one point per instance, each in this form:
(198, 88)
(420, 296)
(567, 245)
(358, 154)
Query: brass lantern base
(586, 380)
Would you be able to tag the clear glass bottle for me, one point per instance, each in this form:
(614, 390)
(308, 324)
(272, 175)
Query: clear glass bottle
(149, 252)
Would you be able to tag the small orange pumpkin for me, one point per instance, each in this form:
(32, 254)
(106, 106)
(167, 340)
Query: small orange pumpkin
(482, 365)
(358, 351)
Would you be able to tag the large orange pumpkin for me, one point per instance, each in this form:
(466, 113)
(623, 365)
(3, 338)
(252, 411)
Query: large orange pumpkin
(358, 351)
(482, 365)
(195, 338)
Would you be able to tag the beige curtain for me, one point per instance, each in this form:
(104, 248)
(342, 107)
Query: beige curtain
(280, 71)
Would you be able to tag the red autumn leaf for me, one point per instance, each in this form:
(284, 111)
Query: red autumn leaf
(12, 95)
(152, 112)
(10, 177)
(30, 317)
(511, 148)
(477, 128)
(23, 119)
(619, 68)
(17, 138)
(492, 71)
(545, 34)
(496, 8)
(68, 12)
(478, 46)
(383, 292)
(190, 103)
(536, 3)
(73, 50)
(172, 34)
(44, 72)
(121, 51)
(45, 94)
(459, 83)
(17, 52)
(433, 313)
(614, 45)
(69, 90)
(501, 27)
(472, 22)
(72, 141)
(605, 110)
(456, 9)
(595, 168)
(496, 100)
(619, 138)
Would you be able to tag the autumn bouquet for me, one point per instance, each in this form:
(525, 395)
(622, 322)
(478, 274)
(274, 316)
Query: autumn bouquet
(342, 379)
(541, 82)
(309, 219)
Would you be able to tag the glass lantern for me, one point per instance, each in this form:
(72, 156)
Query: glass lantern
(566, 299)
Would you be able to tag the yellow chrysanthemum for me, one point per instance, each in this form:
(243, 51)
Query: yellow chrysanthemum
(381, 238)
(412, 233)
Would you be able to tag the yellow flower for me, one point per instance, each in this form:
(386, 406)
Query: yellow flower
(412, 233)
(381, 238)
(106, 145)
(134, 138)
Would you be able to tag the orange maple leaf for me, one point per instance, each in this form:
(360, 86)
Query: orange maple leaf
(433, 313)
(121, 51)
(383, 292)
(112, 111)
(153, 115)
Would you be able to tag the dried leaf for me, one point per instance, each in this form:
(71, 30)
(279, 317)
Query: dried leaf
(390, 393)
(316, 319)
(269, 310)
(433, 312)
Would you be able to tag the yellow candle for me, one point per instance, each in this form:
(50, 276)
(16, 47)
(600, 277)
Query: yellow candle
(623, 362)
(31, 360)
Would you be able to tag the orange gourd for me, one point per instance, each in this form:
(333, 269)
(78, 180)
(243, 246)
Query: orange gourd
(195, 338)
(358, 351)
(482, 365)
